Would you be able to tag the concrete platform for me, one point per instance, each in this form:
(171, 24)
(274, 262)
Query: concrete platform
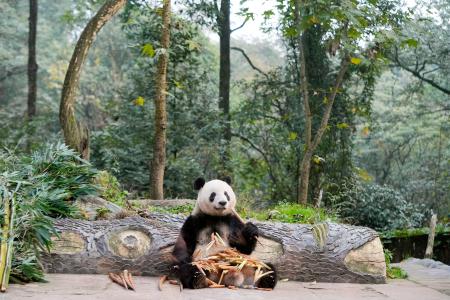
(78, 287)
(429, 273)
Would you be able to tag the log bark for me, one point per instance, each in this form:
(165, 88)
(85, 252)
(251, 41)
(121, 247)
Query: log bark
(159, 147)
(326, 252)
(76, 134)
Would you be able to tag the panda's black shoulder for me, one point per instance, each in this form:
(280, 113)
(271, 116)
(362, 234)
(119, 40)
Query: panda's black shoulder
(200, 221)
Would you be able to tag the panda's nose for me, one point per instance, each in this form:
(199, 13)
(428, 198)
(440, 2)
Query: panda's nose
(223, 203)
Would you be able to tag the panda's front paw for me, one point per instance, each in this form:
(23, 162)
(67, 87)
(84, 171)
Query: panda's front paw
(250, 231)
(270, 280)
(191, 277)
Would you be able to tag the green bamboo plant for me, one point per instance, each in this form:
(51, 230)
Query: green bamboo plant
(6, 248)
(34, 189)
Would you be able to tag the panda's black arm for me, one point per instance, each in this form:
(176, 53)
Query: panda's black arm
(243, 236)
(186, 242)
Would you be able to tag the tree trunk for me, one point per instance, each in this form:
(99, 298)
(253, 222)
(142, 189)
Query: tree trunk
(310, 143)
(303, 184)
(325, 252)
(159, 147)
(305, 164)
(32, 65)
(224, 80)
(76, 134)
(431, 234)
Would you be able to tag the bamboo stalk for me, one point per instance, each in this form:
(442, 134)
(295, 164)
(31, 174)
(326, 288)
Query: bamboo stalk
(5, 243)
(243, 222)
(9, 253)
(238, 216)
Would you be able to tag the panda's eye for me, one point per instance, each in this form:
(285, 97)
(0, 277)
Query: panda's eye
(226, 195)
(212, 196)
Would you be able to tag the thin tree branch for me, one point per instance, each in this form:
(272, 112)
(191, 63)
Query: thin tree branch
(13, 71)
(396, 59)
(260, 151)
(249, 61)
(239, 27)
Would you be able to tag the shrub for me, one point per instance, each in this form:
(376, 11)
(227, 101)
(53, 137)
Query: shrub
(379, 207)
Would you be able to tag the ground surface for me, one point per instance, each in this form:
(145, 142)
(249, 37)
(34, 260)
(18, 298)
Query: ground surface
(427, 281)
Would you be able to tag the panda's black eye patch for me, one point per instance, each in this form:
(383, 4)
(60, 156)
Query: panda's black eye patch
(212, 196)
(226, 195)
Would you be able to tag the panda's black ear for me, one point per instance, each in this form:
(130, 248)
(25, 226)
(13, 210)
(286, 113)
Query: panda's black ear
(199, 183)
(227, 179)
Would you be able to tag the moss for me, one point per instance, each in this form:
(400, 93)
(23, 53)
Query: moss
(404, 233)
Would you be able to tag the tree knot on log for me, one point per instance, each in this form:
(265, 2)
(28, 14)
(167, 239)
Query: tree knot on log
(129, 243)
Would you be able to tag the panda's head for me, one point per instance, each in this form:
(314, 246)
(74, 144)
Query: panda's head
(215, 197)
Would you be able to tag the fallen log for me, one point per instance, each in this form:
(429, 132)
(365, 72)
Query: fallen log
(327, 252)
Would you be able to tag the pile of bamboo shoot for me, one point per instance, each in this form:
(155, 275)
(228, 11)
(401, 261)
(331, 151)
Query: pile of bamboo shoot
(6, 242)
(219, 265)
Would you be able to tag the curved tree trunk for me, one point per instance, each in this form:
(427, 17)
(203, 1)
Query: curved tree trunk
(159, 147)
(326, 252)
(76, 134)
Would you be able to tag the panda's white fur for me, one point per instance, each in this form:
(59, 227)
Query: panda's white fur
(213, 208)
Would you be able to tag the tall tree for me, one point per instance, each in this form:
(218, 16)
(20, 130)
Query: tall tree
(159, 147)
(223, 21)
(76, 134)
(348, 30)
(311, 142)
(32, 65)
(208, 13)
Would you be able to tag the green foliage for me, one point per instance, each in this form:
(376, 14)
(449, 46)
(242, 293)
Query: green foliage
(393, 272)
(291, 213)
(410, 232)
(44, 185)
(124, 146)
(379, 207)
(185, 209)
(408, 144)
(110, 188)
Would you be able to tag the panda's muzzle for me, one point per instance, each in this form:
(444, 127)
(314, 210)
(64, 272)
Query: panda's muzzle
(222, 205)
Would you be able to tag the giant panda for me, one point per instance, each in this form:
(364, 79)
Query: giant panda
(214, 213)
